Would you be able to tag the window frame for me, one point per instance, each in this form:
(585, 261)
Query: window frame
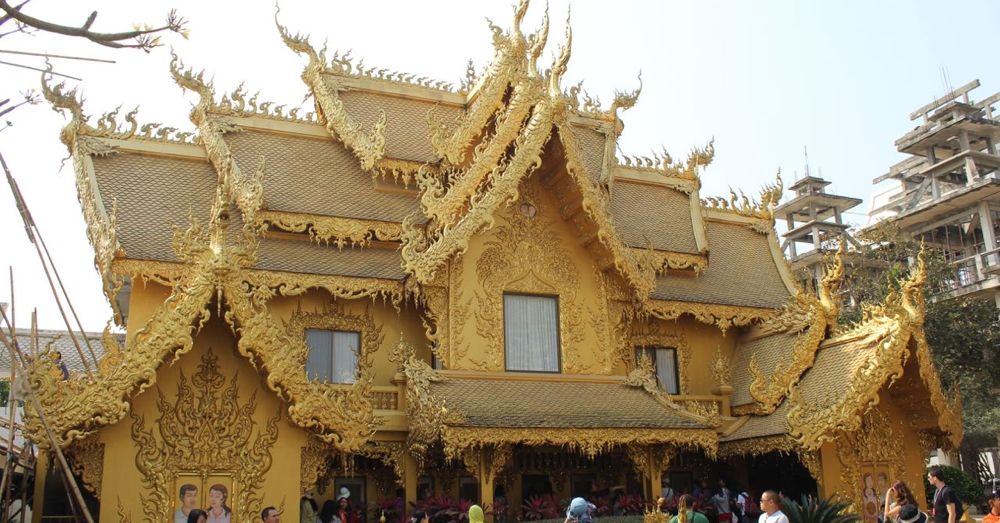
(677, 365)
(558, 324)
(333, 355)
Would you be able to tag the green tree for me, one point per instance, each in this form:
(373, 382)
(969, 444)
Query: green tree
(964, 334)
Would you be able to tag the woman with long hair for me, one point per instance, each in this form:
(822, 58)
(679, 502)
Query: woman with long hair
(898, 495)
(218, 510)
(686, 513)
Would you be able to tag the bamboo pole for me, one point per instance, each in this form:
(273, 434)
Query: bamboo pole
(10, 465)
(69, 303)
(53, 442)
(29, 224)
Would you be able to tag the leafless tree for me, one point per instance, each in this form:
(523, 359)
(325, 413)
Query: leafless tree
(146, 37)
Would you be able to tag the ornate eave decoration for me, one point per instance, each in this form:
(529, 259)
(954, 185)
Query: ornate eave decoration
(812, 318)
(761, 210)
(515, 57)
(216, 268)
(781, 443)
(897, 323)
(342, 232)
(84, 142)
(590, 441)
(663, 164)
(369, 147)
(724, 317)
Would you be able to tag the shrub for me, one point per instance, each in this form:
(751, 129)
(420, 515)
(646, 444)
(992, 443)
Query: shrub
(969, 490)
(818, 510)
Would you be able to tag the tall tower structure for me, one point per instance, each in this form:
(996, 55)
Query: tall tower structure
(813, 218)
(947, 190)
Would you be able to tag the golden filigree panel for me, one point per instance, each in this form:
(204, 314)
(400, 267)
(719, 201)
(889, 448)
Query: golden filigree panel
(588, 441)
(206, 429)
(86, 458)
(333, 229)
(526, 255)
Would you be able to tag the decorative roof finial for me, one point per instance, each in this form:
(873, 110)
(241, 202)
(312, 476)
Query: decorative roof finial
(559, 67)
(536, 43)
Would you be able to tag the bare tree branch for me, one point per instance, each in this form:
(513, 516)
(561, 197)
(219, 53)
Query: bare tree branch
(143, 38)
(5, 18)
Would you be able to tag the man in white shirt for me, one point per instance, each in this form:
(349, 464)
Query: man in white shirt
(771, 507)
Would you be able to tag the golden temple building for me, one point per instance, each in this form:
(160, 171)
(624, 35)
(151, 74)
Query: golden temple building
(425, 290)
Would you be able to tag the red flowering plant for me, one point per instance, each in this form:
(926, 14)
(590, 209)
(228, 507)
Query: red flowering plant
(391, 507)
(630, 505)
(500, 510)
(539, 507)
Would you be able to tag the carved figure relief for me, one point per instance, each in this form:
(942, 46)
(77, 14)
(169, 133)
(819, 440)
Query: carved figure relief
(204, 436)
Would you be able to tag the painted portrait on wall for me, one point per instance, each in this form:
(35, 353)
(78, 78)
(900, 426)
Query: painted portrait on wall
(213, 494)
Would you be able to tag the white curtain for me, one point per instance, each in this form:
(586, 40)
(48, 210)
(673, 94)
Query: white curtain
(666, 370)
(320, 361)
(665, 364)
(333, 355)
(345, 356)
(531, 333)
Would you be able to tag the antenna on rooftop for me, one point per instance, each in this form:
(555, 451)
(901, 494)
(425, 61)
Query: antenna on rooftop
(805, 148)
(946, 80)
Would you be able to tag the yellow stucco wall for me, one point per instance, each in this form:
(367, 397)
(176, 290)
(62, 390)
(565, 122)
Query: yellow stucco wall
(885, 444)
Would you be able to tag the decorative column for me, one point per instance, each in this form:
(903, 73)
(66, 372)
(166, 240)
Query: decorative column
(409, 482)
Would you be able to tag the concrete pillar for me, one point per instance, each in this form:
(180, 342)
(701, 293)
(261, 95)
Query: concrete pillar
(989, 238)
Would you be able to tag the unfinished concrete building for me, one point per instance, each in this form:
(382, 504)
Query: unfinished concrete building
(948, 189)
(814, 219)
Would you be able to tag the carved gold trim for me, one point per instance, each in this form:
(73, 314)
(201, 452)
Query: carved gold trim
(663, 261)
(893, 326)
(229, 443)
(762, 209)
(368, 147)
(514, 58)
(424, 256)
(590, 441)
(83, 142)
(333, 229)
(86, 457)
(782, 443)
(526, 255)
(245, 190)
(724, 317)
(811, 318)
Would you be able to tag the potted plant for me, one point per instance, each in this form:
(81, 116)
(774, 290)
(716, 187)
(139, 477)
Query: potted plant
(818, 510)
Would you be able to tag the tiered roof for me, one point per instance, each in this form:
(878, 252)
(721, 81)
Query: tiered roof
(383, 187)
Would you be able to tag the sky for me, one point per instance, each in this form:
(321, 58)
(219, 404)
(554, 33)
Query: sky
(766, 79)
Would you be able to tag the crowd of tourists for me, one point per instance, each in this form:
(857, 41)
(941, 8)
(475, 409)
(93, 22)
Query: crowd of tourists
(701, 505)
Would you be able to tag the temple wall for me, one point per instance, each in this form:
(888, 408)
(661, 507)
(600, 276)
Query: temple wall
(208, 419)
(318, 309)
(860, 466)
(529, 250)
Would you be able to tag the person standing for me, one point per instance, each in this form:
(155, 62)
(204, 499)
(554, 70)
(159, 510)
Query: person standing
(947, 505)
(771, 507)
(993, 503)
(685, 512)
(896, 497)
(722, 501)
